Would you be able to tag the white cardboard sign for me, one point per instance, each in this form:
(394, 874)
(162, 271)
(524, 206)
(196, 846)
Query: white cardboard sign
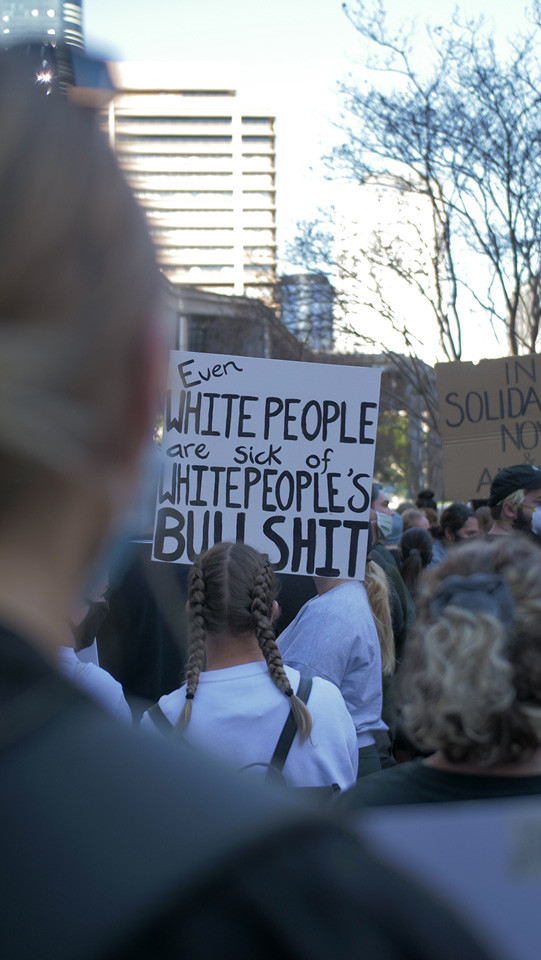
(276, 453)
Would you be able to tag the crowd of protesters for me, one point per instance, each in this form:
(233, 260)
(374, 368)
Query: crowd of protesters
(365, 640)
(122, 842)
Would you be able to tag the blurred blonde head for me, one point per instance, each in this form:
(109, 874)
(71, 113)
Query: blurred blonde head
(470, 686)
(78, 284)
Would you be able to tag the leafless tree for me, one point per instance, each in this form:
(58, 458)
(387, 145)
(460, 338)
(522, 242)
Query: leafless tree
(454, 124)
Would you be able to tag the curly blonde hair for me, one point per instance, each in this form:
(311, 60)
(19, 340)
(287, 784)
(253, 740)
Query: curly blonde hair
(469, 686)
(231, 589)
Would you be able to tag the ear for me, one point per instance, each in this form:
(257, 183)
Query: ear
(509, 512)
(274, 610)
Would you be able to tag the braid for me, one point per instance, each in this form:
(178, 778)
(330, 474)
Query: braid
(196, 646)
(261, 597)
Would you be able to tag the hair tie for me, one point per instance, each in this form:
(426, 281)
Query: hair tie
(189, 696)
(479, 593)
(414, 552)
(289, 693)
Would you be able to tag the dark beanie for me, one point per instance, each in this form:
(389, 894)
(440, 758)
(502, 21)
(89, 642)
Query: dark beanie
(523, 476)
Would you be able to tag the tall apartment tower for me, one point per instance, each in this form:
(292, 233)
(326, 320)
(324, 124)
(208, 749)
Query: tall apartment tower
(48, 20)
(202, 164)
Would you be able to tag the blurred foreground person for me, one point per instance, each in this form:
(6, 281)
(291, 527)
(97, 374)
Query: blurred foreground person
(114, 845)
(470, 685)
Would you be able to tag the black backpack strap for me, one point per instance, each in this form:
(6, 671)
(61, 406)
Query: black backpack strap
(159, 719)
(290, 728)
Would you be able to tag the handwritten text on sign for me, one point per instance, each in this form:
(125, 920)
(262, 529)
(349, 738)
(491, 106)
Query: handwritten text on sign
(490, 417)
(277, 453)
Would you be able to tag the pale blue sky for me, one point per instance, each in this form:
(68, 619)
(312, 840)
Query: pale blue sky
(292, 54)
(255, 30)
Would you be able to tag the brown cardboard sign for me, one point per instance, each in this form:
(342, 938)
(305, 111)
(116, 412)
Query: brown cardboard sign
(490, 417)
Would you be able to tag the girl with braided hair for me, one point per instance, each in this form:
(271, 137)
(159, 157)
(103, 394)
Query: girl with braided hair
(238, 694)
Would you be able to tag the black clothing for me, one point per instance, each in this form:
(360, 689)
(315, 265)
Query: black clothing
(119, 846)
(415, 782)
(398, 598)
(143, 640)
(293, 592)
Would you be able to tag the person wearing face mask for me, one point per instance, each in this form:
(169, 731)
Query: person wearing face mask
(536, 523)
(381, 519)
(389, 522)
(515, 493)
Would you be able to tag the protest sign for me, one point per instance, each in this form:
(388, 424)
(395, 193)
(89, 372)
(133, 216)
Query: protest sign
(490, 418)
(275, 453)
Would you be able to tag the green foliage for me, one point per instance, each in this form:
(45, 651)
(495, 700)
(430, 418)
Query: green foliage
(394, 466)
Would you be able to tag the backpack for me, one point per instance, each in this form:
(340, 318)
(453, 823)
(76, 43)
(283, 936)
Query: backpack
(275, 767)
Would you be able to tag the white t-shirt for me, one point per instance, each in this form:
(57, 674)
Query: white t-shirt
(96, 682)
(238, 715)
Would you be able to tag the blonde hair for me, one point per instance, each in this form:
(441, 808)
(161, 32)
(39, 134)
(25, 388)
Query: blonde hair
(377, 591)
(469, 686)
(410, 517)
(231, 589)
(515, 499)
(78, 282)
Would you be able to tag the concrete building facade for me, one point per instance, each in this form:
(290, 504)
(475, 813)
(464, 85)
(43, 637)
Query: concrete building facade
(45, 20)
(201, 161)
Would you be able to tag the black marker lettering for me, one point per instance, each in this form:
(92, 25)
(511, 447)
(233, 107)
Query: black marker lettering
(184, 376)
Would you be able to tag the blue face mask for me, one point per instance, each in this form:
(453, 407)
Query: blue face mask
(385, 525)
(116, 553)
(536, 521)
(396, 532)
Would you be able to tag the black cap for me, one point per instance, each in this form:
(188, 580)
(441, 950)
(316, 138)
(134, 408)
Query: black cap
(520, 477)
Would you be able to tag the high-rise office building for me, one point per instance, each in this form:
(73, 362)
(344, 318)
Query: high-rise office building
(201, 161)
(306, 308)
(48, 20)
